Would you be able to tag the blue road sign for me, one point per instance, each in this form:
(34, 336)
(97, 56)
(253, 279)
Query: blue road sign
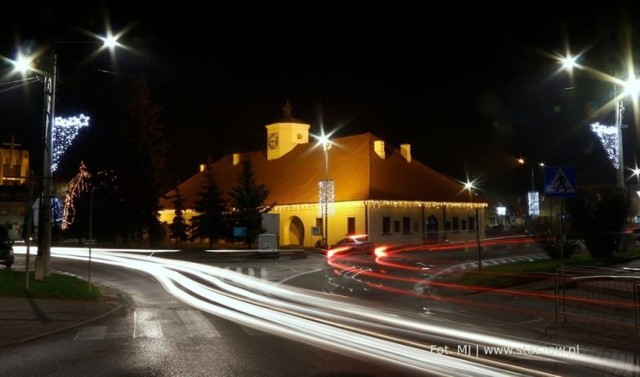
(560, 181)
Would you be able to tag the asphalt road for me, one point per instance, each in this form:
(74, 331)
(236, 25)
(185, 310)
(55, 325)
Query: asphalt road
(158, 335)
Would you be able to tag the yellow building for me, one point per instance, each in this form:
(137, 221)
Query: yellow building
(14, 164)
(377, 189)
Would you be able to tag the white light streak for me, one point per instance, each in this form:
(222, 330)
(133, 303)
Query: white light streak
(341, 324)
(609, 138)
(65, 131)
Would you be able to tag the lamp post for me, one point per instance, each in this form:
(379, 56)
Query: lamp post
(533, 197)
(326, 189)
(630, 87)
(44, 231)
(43, 257)
(469, 186)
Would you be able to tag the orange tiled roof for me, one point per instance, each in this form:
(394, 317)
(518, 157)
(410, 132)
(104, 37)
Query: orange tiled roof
(359, 174)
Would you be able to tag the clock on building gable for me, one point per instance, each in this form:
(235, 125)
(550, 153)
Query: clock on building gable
(272, 140)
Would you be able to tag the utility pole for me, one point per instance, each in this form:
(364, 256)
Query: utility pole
(44, 233)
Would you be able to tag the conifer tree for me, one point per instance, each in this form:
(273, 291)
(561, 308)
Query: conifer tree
(141, 151)
(210, 222)
(178, 227)
(248, 202)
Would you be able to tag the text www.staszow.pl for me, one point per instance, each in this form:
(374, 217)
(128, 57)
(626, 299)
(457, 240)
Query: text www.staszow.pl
(529, 350)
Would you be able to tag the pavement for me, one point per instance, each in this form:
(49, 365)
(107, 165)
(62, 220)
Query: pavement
(24, 319)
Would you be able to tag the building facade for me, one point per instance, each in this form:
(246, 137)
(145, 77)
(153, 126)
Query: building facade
(358, 185)
(14, 164)
(14, 172)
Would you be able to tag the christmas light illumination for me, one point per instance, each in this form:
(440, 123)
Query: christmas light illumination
(77, 185)
(609, 138)
(65, 131)
(533, 199)
(327, 195)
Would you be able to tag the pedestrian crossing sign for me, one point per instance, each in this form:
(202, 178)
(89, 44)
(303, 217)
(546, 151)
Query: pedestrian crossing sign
(560, 181)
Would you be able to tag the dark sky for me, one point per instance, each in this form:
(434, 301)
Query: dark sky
(467, 87)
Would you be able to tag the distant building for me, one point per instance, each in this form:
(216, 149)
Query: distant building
(14, 170)
(377, 189)
(13, 208)
(14, 164)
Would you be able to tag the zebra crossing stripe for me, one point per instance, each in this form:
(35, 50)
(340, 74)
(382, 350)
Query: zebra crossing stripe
(146, 325)
(91, 333)
(197, 324)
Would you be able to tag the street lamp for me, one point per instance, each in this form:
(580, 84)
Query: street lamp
(327, 189)
(50, 89)
(533, 197)
(611, 136)
(469, 186)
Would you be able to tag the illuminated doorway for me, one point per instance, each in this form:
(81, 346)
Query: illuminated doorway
(295, 231)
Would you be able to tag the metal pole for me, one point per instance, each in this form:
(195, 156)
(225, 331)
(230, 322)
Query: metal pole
(44, 235)
(620, 172)
(90, 232)
(326, 198)
(28, 234)
(561, 235)
(533, 187)
(478, 240)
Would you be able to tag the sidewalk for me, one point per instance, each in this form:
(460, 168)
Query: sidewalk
(24, 319)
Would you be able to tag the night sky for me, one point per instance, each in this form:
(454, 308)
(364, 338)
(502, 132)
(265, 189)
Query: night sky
(471, 89)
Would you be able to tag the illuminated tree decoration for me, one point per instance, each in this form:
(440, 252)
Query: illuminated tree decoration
(533, 198)
(78, 184)
(327, 195)
(609, 138)
(65, 131)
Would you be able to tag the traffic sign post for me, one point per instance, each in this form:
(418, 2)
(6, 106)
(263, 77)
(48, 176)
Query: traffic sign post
(560, 182)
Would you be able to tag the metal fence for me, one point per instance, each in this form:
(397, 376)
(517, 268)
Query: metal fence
(603, 299)
(609, 296)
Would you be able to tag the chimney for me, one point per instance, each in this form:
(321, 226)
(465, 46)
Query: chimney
(203, 167)
(378, 147)
(236, 158)
(405, 150)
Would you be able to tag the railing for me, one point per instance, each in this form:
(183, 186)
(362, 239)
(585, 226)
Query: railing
(605, 299)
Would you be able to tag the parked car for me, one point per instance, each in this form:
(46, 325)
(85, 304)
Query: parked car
(6, 248)
(354, 244)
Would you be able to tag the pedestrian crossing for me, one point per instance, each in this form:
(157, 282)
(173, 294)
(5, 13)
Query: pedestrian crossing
(494, 262)
(258, 272)
(277, 275)
(160, 323)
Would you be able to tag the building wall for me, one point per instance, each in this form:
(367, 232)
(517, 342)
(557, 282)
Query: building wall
(14, 166)
(297, 221)
(417, 228)
(13, 209)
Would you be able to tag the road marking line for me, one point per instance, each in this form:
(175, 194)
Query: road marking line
(197, 324)
(146, 325)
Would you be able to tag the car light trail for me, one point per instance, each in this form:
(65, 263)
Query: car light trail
(329, 322)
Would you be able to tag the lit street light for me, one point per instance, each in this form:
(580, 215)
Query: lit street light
(23, 64)
(611, 136)
(533, 197)
(469, 186)
(327, 189)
